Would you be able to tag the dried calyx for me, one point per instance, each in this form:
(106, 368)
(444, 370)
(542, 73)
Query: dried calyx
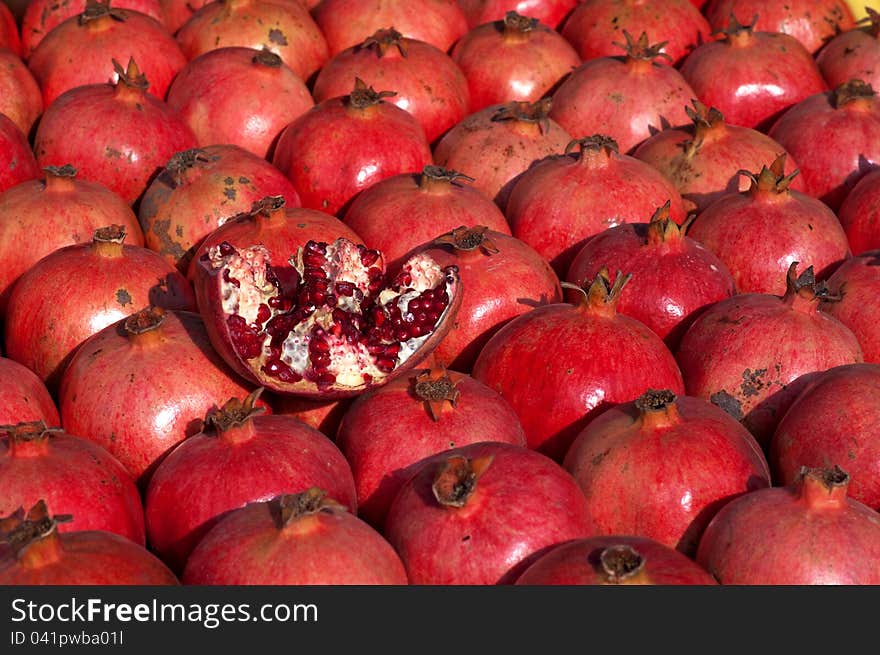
(19, 530)
(640, 50)
(537, 112)
(601, 293)
(363, 96)
(383, 39)
(98, 9)
(235, 412)
(457, 478)
(771, 178)
(288, 508)
(468, 238)
(437, 388)
(621, 563)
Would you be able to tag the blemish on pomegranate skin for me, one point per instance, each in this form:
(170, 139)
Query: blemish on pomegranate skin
(277, 36)
(123, 297)
(728, 403)
(752, 382)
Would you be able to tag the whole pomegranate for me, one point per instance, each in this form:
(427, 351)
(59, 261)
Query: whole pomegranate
(859, 214)
(17, 161)
(24, 396)
(20, 98)
(853, 54)
(852, 291)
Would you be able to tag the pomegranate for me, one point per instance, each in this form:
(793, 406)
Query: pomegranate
(753, 353)
(198, 191)
(17, 162)
(549, 12)
(39, 555)
(345, 144)
(513, 58)
(74, 475)
(404, 211)
(853, 54)
(124, 139)
(662, 466)
(496, 144)
(835, 137)
(426, 81)
(562, 364)
(177, 12)
(256, 457)
(859, 214)
(853, 290)
(113, 281)
(336, 328)
(207, 95)
(294, 539)
(502, 278)
(20, 98)
(614, 560)
(386, 432)
(141, 385)
(480, 514)
(674, 278)
(24, 396)
(628, 98)
(760, 232)
(807, 533)
(703, 160)
(594, 188)
(9, 33)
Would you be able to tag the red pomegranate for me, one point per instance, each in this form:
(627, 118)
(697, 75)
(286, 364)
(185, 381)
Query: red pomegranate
(753, 353)
(336, 328)
(562, 364)
(402, 212)
(807, 533)
(853, 290)
(199, 190)
(140, 386)
(207, 94)
(17, 161)
(594, 188)
(294, 539)
(239, 457)
(480, 514)
(40, 555)
(760, 232)
(628, 98)
(674, 277)
(853, 54)
(515, 57)
(426, 81)
(662, 466)
(74, 475)
(114, 280)
(346, 144)
(20, 98)
(24, 396)
(859, 214)
(498, 143)
(10, 38)
(117, 134)
(835, 138)
(614, 560)
(549, 12)
(386, 432)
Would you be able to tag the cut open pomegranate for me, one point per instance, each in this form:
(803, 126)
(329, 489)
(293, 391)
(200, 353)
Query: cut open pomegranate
(336, 327)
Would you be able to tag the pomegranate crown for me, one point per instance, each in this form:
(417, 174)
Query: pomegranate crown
(97, 9)
(436, 387)
(287, 508)
(20, 529)
(830, 477)
(851, 91)
(596, 142)
(771, 178)
(600, 292)
(872, 20)
(30, 430)
(620, 563)
(131, 77)
(527, 112)
(266, 57)
(382, 40)
(516, 22)
(641, 49)
(68, 170)
(438, 173)
(363, 96)
(456, 479)
(468, 238)
(806, 287)
(734, 27)
(235, 412)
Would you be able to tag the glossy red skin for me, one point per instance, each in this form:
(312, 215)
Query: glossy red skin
(522, 66)
(177, 12)
(91, 557)
(835, 419)
(333, 151)
(664, 481)
(776, 536)
(126, 138)
(207, 95)
(595, 26)
(859, 214)
(285, 28)
(329, 547)
(592, 192)
(496, 153)
(20, 98)
(812, 22)
(42, 330)
(761, 352)
(713, 170)
(96, 45)
(386, 433)
(561, 365)
(673, 281)
(323, 415)
(256, 462)
(40, 16)
(834, 147)
(17, 162)
(24, 396)
(74, 476)
(522, 504)
(10, 37)
(41, 216)
(427, 82)
(857, 281)
(140, 397)
(759, 233)
(497, 288)
(400, 213)
(851, 55)
(345, 23)
(176, 215)
(628, 100)
(752, 78)
(571, 563)
(549, 12)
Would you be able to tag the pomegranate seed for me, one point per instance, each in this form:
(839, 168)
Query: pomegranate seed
(369, 257)
(278, 369)
(229, 279)
(344, 288)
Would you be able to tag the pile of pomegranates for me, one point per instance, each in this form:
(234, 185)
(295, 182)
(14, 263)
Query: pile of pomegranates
(439, 292)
